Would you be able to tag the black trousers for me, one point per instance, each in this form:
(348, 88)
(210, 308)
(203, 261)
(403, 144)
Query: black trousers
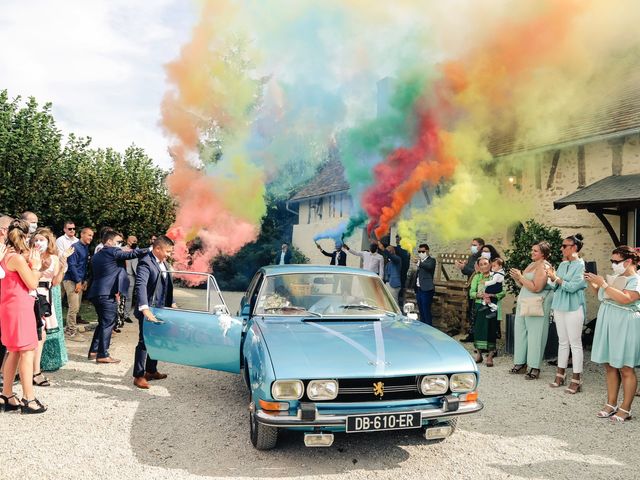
(107, 310)
(142, 363)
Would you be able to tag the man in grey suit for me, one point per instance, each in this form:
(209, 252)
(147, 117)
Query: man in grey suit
(131, 266)
(424, 287)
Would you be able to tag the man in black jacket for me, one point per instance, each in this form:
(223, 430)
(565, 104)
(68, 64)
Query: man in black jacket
(404, 269)
(424, 287)
(283, 257)
(338, 256)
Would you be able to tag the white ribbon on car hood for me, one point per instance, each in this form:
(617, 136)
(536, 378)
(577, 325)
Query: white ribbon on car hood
(377, 359)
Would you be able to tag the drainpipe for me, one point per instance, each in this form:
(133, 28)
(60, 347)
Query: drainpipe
(286, 206)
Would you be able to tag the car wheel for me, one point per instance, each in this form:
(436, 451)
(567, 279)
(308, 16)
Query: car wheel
(263, 437)
(453, 423)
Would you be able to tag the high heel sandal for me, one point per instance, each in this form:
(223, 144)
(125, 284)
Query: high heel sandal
(6, 406)
(43, 383)
(573, 391)
(518, 369)
(26, 409)
(557, 383)
(532, 376)
(478, 356)
(604, 414)
(616, 418)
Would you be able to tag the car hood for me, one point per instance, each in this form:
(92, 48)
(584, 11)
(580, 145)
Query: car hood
(361, 348)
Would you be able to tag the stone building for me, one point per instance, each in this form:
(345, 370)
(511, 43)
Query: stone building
(323, 203)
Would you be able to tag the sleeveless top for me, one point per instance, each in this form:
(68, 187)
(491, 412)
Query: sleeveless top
(17, 317)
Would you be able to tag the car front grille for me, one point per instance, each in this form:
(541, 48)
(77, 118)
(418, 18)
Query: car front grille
(362, 389)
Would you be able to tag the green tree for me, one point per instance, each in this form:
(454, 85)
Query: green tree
(93, 187)
(525, 237)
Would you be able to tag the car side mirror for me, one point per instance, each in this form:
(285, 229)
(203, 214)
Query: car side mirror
(408, 311)
(246, 310)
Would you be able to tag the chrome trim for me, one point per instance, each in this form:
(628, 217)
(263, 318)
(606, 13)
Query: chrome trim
(323, 420)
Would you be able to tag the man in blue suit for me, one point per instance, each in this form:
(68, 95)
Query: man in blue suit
(154, 288)
(108, 265)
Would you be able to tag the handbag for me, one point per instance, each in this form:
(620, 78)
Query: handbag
(531, 306)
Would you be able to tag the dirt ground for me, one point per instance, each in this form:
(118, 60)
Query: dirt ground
(194, 424)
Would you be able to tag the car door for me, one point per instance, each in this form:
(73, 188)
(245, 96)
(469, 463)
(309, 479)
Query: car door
(199, 331)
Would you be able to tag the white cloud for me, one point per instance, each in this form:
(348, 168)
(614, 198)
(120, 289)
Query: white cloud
(100, 62)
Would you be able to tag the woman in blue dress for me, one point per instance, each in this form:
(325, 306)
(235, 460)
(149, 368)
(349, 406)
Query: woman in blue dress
(616, 341)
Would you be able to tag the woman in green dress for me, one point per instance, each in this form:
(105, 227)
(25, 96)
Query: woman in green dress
(616, 341)
(485, 327)
(54, 350)
(531, 331)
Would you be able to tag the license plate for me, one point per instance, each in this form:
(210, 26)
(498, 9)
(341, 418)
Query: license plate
(383, 421)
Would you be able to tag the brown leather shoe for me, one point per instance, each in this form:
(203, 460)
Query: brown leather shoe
(107, 360)
(140, 382)
(92, 356)
(155, 376)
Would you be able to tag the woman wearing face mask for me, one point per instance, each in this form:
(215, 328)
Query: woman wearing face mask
(616, 341)
(531, 326)
(489, 252)
(485, 326)
(569, 309)
(17, 319)
(52, 352)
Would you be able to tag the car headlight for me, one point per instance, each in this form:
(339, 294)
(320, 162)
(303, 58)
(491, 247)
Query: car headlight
(322, 389)
(434, 384)
(287, 390)
(463, 382)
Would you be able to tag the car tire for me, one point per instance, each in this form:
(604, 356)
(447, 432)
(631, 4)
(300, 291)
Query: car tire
(453, 423)
(263, 437)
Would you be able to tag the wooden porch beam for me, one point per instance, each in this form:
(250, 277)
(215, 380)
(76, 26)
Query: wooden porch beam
(607, 225)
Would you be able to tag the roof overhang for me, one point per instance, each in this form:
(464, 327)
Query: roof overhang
(617, 192)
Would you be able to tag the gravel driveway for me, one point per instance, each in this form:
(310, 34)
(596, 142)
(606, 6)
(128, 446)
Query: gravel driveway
(195, 424)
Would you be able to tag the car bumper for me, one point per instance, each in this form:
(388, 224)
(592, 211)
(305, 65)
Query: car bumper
(301, 419)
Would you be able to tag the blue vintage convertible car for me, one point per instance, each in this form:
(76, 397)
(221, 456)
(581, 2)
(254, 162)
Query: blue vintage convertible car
(322, 349)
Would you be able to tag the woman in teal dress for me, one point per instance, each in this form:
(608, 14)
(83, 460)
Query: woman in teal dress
(54, 352)
(616, 341)
(530, 331)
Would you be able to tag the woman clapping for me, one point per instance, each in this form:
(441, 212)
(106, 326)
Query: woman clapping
(17, 318)
(569, 308)
(616, 341)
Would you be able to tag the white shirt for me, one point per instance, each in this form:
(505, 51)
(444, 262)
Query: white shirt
(163, 270)
(282, 254)
(374, 262)
(63, 243)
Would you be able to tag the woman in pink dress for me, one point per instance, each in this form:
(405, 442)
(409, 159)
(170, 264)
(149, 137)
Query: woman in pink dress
(17, 318)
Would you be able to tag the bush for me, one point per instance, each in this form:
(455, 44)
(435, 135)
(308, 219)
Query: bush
(525, 236)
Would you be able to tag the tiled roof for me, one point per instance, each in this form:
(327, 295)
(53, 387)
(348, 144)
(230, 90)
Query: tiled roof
(618, 115)
(613, 191)
(329, 179)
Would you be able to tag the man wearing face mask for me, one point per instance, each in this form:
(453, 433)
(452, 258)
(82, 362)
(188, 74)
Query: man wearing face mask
(108, 269)
(424, 287)
(468, 269)
(74, 282)
(32, 219)
(371, 260)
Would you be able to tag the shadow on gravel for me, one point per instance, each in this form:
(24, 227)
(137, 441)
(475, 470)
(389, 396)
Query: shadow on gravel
(202, 427)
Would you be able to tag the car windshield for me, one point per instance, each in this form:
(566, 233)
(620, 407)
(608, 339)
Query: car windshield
(324, 294)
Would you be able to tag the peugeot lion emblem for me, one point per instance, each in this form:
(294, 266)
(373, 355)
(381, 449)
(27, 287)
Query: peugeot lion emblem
(378, 389)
